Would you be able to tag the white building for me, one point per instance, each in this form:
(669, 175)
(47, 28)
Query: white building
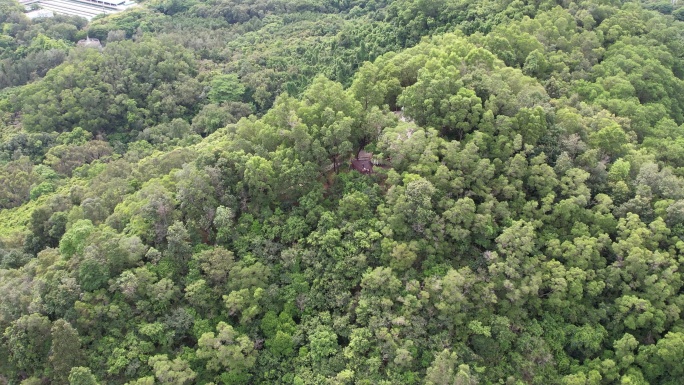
(38, 13)
(84, 8)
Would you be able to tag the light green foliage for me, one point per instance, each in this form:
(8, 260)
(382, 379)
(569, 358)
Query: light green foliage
(227, 351)
(149, 380)
(247, 284)
(44, 43)
(226, 88)
(73, 241)
(368, 88)
(179, 207)
(443, 371)
(81, 376)
(323, 343)
(279, 330)
(176, 372)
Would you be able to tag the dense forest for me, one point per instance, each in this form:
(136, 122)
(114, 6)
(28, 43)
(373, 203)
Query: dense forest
(179, 207)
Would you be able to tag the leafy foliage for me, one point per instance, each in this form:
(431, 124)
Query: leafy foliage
(179, 207)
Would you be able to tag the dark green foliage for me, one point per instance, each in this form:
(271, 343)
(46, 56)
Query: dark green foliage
(26, 344)
(65, 352)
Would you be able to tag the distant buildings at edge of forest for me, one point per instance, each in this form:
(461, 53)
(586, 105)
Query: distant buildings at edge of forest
(84, 8)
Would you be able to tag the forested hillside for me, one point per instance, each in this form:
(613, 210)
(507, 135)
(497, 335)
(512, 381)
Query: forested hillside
(178, 207)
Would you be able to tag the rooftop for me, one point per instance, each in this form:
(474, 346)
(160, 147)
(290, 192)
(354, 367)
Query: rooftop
(89, 43)
(39, 13)
(362, 166)
(363, 162)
